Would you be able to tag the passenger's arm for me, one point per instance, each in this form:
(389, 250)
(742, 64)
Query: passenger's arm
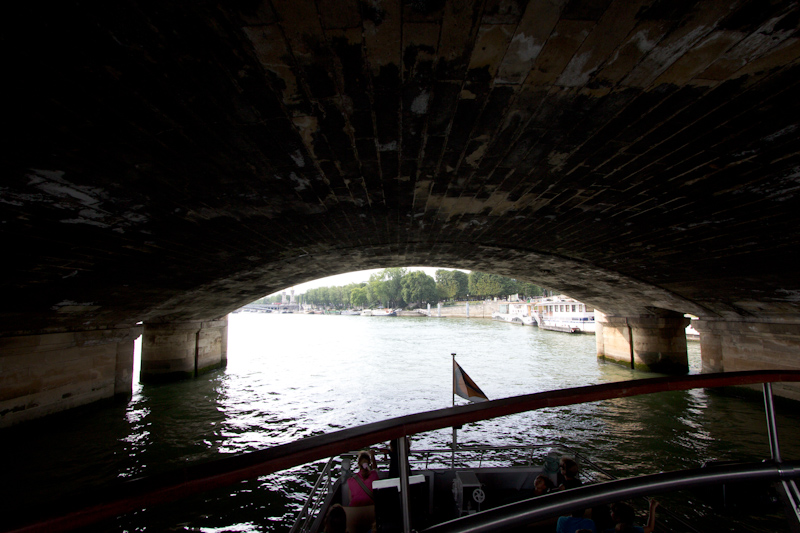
(651, 519)
(373, 460)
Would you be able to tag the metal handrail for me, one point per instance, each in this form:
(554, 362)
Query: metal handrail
(564, 502)
(305, 515)
(147, 492)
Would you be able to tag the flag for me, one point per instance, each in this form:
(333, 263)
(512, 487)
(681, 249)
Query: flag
(465, 387)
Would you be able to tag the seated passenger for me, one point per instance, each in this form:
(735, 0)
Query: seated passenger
(360, 484)
(568, 474)
(336, 519)
(624, 517)
(543, 485)
(571, 524)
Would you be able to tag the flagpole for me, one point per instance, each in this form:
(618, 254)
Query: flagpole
(455, 436)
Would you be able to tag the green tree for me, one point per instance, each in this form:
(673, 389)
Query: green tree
(476, 285)
(376, 292)
(529, 290)
(462, 281)
(446, 287)
(488, 285)
(418, 287)
(336, 298)
(392, 291)
(451, 284)
(358, 297)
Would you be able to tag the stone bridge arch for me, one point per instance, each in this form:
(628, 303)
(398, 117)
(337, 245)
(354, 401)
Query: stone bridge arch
(166, 158)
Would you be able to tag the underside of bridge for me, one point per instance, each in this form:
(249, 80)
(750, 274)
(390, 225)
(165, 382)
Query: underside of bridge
(167, 162)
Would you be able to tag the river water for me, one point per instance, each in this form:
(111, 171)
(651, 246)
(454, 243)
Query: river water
(293, 376)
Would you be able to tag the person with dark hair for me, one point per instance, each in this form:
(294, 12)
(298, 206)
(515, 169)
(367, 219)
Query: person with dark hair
(543, 485)
(336, 519)
(568, 474)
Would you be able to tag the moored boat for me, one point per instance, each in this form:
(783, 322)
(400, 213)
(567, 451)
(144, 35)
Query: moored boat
(561, 313)
(383, 311)
(516, 313)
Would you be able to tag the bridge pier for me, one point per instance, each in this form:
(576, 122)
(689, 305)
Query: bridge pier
(172, 351)
(48, 373)
(653, 343)
(729, 346)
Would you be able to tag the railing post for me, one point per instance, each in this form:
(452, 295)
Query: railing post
(772, 428)
(401, 445)
(790, 492)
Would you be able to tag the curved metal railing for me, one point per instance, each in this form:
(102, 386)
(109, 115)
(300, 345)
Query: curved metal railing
(587, 496)
(151, 491)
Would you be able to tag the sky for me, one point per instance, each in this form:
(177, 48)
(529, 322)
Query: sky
(354, 277)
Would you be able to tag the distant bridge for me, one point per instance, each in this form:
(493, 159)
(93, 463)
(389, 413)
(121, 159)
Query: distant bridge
(270, 307)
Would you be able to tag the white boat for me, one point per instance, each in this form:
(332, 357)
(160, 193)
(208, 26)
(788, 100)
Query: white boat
(516, 313)
(561, 313)
(366, 312)
(383, 312)
(351, 312)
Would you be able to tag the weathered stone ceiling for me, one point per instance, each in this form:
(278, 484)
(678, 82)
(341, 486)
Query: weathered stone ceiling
(178, 159)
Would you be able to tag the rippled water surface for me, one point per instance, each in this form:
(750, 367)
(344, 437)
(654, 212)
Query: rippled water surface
(292, 376)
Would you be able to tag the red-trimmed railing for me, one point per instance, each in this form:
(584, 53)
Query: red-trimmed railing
(147, 492)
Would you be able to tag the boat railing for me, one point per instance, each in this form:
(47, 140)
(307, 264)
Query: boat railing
(473, 456)
(316, 499)
(126, 497)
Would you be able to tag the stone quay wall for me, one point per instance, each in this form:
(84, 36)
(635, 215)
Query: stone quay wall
(44, 374)
(476, 310)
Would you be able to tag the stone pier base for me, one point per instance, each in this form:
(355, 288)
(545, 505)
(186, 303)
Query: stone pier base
(45, 374)
(181, 350)
(655, 344)
(733, 346)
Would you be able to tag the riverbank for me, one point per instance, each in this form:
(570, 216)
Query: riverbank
(476, 310)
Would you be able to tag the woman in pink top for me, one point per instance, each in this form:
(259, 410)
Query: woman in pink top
(367, 473)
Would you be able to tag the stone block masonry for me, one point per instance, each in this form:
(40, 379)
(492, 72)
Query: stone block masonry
(180, 350)
(656, 344)
(46, 374)
(737, 346)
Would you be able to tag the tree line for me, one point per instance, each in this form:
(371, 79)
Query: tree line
(399, 288)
